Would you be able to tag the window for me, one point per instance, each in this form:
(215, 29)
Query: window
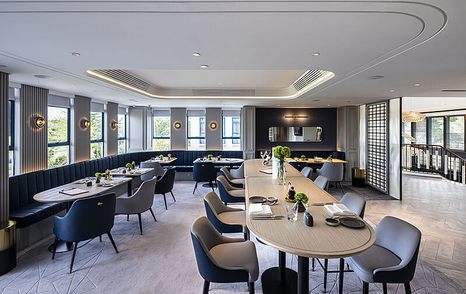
(231, 131)
(436, 131)
(420, 132)
(407, 136)
(11, 137)
(196, 130)
(58, 130)
(121, 133)
(455, 133)
(161, 137)
(97, 135)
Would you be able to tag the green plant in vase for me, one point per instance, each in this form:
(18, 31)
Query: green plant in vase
(161, 156)
(98, 176)
(129, 166)
(210, 156)
(169, 156)
(301, 200)
(303, 157)
(281, 153)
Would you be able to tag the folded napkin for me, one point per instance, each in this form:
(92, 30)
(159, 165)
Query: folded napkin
(258, 209)
(338, 210)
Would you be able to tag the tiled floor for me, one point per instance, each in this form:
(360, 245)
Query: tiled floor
(162, 260)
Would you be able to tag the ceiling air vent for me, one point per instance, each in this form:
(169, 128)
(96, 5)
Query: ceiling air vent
(224, 92)
(307, 78)
(124, 77)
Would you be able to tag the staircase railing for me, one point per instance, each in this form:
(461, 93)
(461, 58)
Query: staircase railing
(434, 159)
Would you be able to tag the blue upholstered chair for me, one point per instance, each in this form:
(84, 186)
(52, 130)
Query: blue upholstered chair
(333, 172)
(204, 172)
(165, 184)
(225, 219)
(228, 193)
(237, 183)
(87, 218)
(221, 259)
(238, 173)
(307, 171)
(139, 202)
(392, 258)
(322, 182)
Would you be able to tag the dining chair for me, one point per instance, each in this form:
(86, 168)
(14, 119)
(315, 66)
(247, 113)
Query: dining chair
(333, 172)
(392, 258)
(86, 219)
(141, 201)
(204, 172)
(221, 259)
(157, 172)
(238, 183)
(238, 173)
(228, 193)
(322, 182)
(165, 184)
(307, 171)
(225, 219)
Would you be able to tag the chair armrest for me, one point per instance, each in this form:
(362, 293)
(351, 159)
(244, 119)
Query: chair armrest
(228, 209)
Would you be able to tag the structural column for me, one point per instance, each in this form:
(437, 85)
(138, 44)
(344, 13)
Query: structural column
(111, 129)
(178, 136)
(4, 194)
(80, 134)
(213, 136)
(348, 136)
(248, 131)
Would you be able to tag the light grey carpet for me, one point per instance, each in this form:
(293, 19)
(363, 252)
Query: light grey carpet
(162, 261)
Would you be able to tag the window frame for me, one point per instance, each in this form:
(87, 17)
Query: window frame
(155, 137)
(231, 137)
(125, 138)
(200, 131)
(68, 132)
(11, 144)
(102, 138)
(447, 132)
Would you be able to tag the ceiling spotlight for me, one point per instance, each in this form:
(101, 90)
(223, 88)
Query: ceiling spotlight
(328, 105)
(196, 54)
(391, 91)
(315, 54)
(41, 76)
(76, 54)
(417, 85)
(376, 77)
(316, 100)
(204, 66)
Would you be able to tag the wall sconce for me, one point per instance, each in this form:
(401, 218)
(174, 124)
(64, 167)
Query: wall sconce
(296, 116)
(213, 125)
(85, 123)
(39, 121)
(177, 125)
(114, 125)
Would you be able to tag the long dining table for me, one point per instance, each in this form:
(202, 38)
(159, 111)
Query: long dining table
(294, 237)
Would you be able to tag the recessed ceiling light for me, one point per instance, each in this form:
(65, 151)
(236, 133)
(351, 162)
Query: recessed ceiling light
(348, 101)
(315, 54)
(316, 100)
(391, 91)
(417, 85)
(376, 77)
(76, 54)
(2, 66)
(41, 76)
(328, 105)
(196, 54)
(204, 66)
(278, 105)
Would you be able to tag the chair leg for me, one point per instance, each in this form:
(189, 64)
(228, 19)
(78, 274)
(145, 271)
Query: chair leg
(365, 288)
(341, 268)
(251, 288)
(246, 236)
(54, 247)
(140, 223)
(313, 264)
(100, 238)
(173, 196)
(384, 288)
(407, 288)
(205, 290)
(127, 217)
(73, 256)
(165, 200)
(152, 212)
(341, 188)
(325, 274)
(212, 185)
(195, 187)
(113, 242)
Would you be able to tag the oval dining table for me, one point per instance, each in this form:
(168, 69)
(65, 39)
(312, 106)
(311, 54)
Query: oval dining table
(294, 237)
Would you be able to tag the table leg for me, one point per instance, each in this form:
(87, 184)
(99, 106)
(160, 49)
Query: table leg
(279, 280)
(282, 266)
(340, 276)
(130, 188)
(303, 275)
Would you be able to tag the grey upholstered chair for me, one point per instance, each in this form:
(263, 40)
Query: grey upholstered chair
(238, 183)
(228, 193)
(221, 259)
(333, 172)
(138, 203)
(157, 172)
(322, 182)
(238, 173)
(225, 219)
(392, 258)
(307, 171)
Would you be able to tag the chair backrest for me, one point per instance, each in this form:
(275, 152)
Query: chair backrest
(166, 182)
(401, 238)
(158, 170)
(238, 173)
(226, 173)
(306, 171)
(204, 172)
(333, 171)
(144, 196)
(87, 218)
(355, 202)
(215, 204)
(221, 180)
(321, 181)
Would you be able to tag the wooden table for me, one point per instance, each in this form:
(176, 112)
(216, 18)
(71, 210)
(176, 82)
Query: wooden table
(319, 241)
(163, 161)
(253, 167)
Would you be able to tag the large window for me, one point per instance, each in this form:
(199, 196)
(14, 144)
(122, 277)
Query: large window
(161, 137)
(58, 128)
(97, 135)
(407, 133)
(122, 133)
(196, 131)
(231, 131)
(420, 132)
(455, 134)
(11, 137)
(436, 130)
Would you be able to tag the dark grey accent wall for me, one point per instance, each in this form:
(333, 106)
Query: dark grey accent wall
(111, 139)
(80, 137)
(178, 137)
(4, 198)
(317, 117)
(348, 136)
(33, 141)
(213, 137)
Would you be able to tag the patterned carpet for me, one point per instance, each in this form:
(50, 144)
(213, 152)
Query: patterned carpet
(162, 261)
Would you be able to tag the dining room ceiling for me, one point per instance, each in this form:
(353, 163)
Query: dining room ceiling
(376, 49)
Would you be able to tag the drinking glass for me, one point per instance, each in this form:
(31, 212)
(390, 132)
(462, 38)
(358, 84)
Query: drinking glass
(292, 212)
